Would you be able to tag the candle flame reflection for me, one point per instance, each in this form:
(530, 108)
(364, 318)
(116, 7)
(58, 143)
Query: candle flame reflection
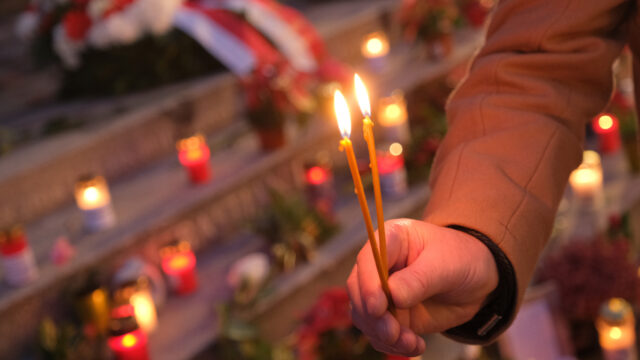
(363, 96)
(342, 114)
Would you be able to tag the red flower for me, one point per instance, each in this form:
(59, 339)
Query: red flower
(76, 23)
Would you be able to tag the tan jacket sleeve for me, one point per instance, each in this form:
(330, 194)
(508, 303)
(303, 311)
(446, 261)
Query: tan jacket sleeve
(516, 123)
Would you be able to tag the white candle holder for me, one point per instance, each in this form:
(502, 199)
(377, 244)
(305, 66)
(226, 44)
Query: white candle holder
(94, 200)
(587, 216)
(616, 330)
(393, 119)
(375, 48)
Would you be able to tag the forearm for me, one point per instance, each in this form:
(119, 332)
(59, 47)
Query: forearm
(516, 124)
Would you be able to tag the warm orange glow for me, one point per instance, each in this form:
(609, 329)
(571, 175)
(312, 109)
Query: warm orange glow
(179, 262)
(392, 111)
(193, 150)
(317, 175)
(395, 149)
(615, 333)
(605, 122)
(129, 340)
(591, 158)
(375, 45)
(342, 114)
(145, 310)
(362, 95)
(92, 193)
(194, 154)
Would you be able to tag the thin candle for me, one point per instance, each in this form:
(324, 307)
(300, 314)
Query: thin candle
(344, 123)
(367, 128)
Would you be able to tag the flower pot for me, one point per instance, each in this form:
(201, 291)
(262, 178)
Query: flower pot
(271, 139)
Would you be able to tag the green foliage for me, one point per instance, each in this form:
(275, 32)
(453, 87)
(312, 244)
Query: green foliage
(293, 228)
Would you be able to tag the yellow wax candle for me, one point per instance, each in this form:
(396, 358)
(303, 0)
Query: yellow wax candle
(344, 122)
(367, 124)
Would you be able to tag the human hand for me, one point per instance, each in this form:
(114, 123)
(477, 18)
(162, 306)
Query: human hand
(439, 278)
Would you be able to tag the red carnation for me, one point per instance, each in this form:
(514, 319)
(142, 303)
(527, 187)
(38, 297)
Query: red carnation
(76, 24)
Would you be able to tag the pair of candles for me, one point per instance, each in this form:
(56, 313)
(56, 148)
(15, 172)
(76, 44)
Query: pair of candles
(344, 123)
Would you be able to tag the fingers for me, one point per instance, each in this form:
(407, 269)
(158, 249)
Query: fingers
(408, 344)
(430, 269)
(373, 299)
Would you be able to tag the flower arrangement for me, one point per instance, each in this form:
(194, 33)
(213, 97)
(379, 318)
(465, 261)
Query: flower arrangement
(327, 332)
(293, 229)
(430, 22)
(428, 126)
(112, 47)
(76, 25)
(589, 273)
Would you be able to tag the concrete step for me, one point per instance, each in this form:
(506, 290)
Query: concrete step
(122, 135)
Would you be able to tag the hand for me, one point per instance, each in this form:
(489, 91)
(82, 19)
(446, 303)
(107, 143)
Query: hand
(439, 278)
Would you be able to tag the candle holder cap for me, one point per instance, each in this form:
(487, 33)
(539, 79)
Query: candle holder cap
(123, 320)
(615, 311)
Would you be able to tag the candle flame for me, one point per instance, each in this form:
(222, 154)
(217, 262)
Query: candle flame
(342, 114)
(91, 194)
(129, 340)
(374, 45)
(615, 333)
(395, 149)
(605, 122)
(363, 96)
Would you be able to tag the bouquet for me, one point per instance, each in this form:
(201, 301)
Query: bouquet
(327, 332)
(430, 22)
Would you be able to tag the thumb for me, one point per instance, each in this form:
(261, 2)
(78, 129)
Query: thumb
(433, 265)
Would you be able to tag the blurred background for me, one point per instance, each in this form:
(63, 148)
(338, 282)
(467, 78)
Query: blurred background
(171, 185)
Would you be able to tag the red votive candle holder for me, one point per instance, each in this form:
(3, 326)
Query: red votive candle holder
(179, 264)
(127, 341)
(607, 127)
(393, 175)
(194, 155)
(319, 188)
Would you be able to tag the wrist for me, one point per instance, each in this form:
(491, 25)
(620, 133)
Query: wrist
(499, 305)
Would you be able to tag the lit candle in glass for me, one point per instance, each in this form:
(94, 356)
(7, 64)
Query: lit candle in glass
(616, 330)
(392, 118)
(18, 263)
(393, 175)
(194, 155)
(137, 294)
(93, 199)
(607, 127)
(179, 264)
(126, 340)
(375, 49)
(586, 180)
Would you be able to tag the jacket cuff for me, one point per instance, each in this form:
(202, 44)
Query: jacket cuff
(496, 315)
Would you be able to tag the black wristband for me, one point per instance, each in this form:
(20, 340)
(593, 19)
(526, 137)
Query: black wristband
(496, 315)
